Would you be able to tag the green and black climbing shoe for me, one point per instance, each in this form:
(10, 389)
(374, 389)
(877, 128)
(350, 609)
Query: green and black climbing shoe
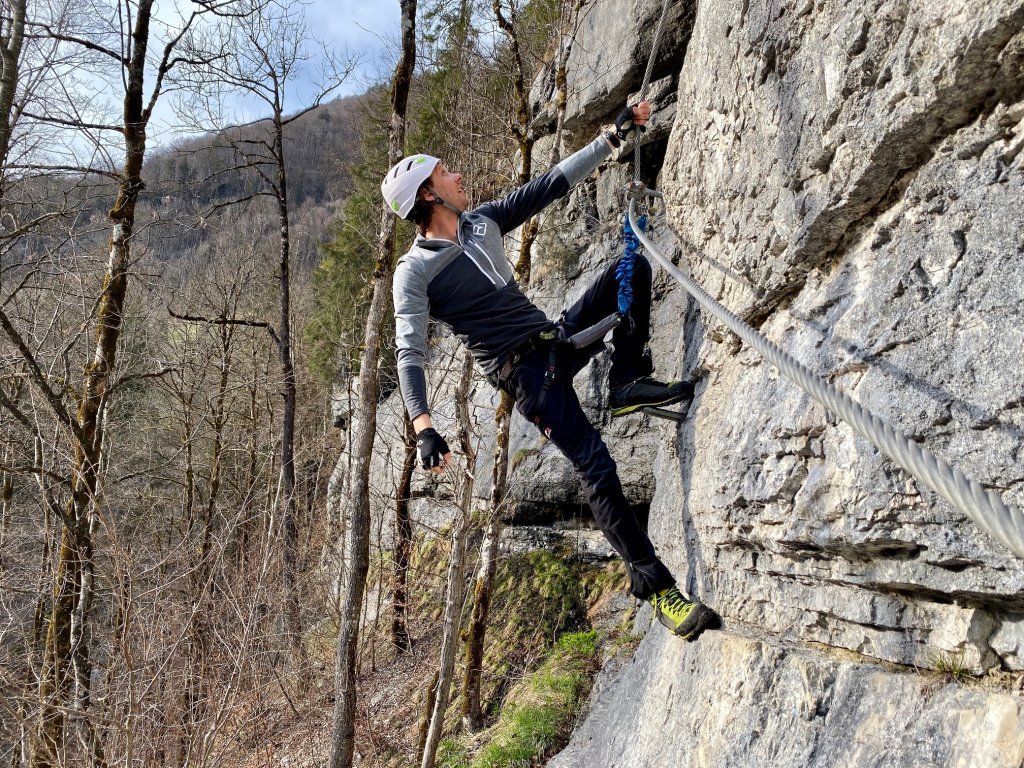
(682, 617)
(648, 392)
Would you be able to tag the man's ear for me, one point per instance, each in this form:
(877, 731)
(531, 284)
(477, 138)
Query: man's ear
(427, 195)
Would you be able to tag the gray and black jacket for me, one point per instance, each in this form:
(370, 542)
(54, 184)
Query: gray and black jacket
(468, 286)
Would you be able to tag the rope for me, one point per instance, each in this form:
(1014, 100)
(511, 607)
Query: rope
(647, 79)
(624, 272)
(1002, 522)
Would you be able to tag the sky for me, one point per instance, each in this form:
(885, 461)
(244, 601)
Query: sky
(365, 29)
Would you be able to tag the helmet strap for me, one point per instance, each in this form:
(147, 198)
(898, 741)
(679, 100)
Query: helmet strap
(438, 200)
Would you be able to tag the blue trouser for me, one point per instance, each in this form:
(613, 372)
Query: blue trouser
(559, 416)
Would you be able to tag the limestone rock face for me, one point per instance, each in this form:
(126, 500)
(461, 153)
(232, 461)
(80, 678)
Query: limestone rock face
(847, 177)
(608, 54)
(899, 262)
(730, 700)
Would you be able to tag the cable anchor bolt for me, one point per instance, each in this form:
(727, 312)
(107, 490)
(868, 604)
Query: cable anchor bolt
(637, 190)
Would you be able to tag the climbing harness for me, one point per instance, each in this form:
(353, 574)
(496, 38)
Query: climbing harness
(1001, 521)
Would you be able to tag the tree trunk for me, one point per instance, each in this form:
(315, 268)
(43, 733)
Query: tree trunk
(62, 660)
(358, 540)
(428, 712)
(403, 546)
(289, 521)
(524, 138)
(567, 35)
(472, 712)
(6, 494)
(10, 57)
(247, 526)
(456, 595)
(10, 61)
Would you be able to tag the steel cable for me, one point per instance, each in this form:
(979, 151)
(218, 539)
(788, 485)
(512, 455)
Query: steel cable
(1001, 521)
(648, 71)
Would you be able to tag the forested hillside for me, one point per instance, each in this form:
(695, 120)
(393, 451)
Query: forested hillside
(191, 183)
(171, 325)
(162, 437)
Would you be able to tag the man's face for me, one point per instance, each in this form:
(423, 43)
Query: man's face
(448, 186)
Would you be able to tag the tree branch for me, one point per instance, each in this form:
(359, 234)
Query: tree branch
(16, 412)
(164, 370)
(226, 321)
(73, 168)
(73, 123)
(77, 40)
(25, 228)
(217, 206)
(39, 378)
(31, 469)
(166, 63)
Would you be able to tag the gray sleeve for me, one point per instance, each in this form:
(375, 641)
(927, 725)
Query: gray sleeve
(411, 317)
(577, 166)
(531, 198)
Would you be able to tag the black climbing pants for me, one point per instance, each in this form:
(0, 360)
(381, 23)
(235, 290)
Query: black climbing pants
(559, 416)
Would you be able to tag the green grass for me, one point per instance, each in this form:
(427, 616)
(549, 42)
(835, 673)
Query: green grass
(531, 728)
(452, 754)
(951, 664)
(539, 665)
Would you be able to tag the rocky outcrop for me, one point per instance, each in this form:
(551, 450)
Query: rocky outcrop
(848, 177)
(893, 269)
(732, 700)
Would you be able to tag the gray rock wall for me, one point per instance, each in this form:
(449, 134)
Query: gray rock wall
(731, 700)
(894, 270)
(848, 177)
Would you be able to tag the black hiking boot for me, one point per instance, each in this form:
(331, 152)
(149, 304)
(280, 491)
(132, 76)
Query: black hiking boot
(682, 617)
(647, 392)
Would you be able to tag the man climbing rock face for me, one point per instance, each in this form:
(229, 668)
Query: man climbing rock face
(456, 273)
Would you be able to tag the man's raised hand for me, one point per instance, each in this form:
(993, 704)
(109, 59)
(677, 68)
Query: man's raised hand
(632, 117)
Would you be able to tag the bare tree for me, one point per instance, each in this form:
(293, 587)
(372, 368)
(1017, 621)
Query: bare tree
(568, 27)
(357, 544)
(472, 711)
(403, 544)
(455, 596)
(265, 49)
(65, 668)
(11, 42)
(522, 129)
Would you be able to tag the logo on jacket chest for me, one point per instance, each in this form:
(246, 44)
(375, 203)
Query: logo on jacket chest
(480, 229)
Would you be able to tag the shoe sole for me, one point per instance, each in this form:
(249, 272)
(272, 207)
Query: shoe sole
(627, 409)
(701, 621)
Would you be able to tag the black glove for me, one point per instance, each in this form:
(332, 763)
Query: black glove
(432, 448)
(624, 123)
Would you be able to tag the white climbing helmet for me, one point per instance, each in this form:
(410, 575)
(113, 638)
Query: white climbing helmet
(403, 182)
